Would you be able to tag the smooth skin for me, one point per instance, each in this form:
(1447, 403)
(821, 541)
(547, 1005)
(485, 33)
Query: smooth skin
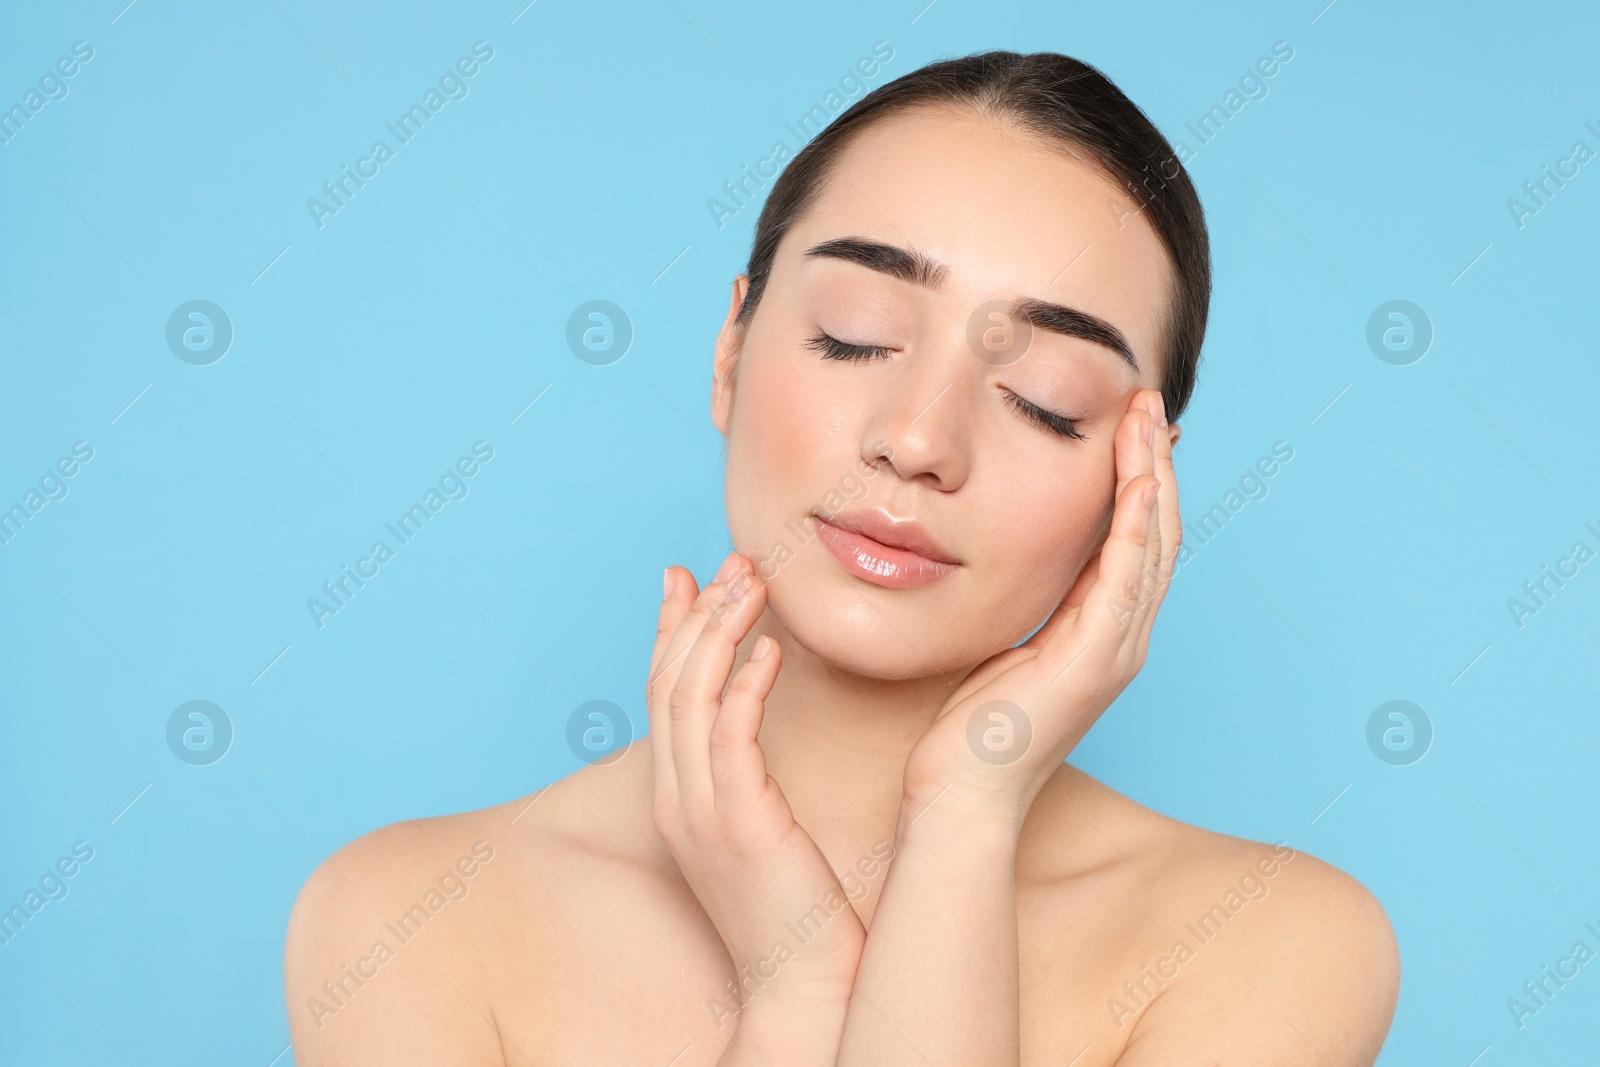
(808, 813)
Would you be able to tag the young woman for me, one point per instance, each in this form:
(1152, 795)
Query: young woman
(949, 382)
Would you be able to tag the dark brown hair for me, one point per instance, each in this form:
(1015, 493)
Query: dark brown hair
(1064, 101)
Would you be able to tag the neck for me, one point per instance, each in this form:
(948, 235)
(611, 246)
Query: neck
(837, 742)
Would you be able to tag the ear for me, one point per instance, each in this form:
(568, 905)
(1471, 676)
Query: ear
(725, 361)
(1177, 432)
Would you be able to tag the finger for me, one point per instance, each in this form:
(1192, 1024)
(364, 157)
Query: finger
(676, 630)
(1135, 449)
(678, 596)
(738, 765)
(1086, 579)
(1132, 456)
(1169, 526)
(1108, 613)
(1170, 517)
(1070, 605)
(670, 644)
(696, 694)
(1165, 530)
(1099, 625)
(1149, 579)
(1132, 442)
(1137, 581)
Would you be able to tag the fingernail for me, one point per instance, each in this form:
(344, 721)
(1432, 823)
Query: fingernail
(1150, 491)
(725, 571)
(666, 583)
(737, 589)
(763, 646)
(1160, 407)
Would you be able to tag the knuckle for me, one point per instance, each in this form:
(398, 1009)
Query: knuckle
(664, 817)
(724, 740)
(698, 611)
(717, 617)
(738, 689)
(722, 612)
(658, 688)
(680, 702)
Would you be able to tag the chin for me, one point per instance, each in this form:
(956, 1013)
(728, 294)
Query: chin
(887, 634)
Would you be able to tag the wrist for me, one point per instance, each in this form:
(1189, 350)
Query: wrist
(790, 1031)
(958, 815)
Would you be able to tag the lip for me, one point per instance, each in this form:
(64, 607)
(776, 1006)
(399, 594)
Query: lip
(881, 550)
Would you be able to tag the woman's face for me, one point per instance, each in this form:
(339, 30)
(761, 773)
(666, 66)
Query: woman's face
(925, 424)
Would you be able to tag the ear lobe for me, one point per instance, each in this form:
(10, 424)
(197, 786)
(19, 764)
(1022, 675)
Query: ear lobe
(1177, 432)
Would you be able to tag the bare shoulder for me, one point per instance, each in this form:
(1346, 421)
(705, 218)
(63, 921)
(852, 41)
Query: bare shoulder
(374, 963)
(399, 943)
(1248, 950)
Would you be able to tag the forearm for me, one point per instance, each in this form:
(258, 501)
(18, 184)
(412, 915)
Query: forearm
(796, 1034)
(938, 978)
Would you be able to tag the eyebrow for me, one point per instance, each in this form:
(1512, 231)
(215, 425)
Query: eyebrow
(906, 264)
(1074, 323)
(909, 265)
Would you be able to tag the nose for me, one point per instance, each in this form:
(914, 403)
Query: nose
(921, 422)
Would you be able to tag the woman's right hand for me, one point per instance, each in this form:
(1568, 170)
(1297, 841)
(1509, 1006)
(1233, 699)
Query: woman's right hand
(757, 873)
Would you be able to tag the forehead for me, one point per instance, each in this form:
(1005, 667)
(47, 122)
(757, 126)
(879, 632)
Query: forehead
(1008, 214)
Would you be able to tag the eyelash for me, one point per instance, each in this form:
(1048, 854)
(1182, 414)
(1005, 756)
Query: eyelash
(1048, 419)
(833, 348)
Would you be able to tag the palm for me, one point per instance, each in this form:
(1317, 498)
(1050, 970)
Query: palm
(1019, 713)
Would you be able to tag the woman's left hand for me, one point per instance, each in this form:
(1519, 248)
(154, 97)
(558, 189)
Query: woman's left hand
(1012, 721)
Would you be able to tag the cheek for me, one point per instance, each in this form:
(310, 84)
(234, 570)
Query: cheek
(789, 434)
(769, 408)
(1048, 534)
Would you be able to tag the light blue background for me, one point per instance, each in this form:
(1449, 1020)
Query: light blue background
(371, 353)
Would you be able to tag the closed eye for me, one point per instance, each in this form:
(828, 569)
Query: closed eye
(1047, 419)
(833, 348)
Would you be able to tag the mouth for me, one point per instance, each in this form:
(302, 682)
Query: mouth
(883, 551)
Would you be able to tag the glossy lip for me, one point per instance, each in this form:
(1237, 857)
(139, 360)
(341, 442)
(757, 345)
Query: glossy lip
(883, 551)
